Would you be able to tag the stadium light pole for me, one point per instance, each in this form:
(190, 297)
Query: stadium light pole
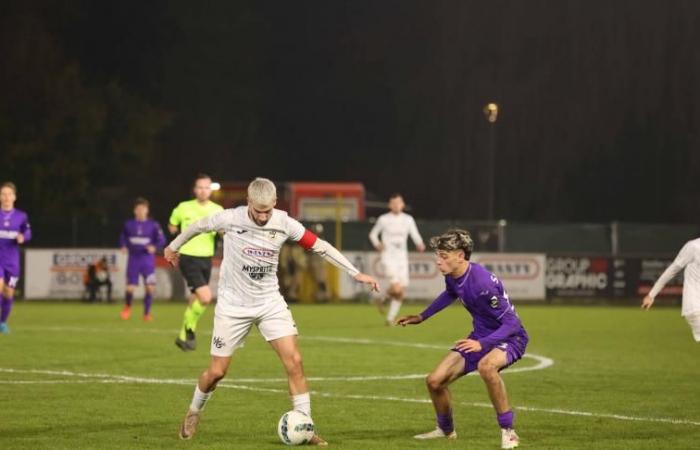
(491, 114)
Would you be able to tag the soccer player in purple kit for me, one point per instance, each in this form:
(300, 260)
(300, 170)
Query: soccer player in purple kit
(14, 231)
(141, 237)
(497, 341)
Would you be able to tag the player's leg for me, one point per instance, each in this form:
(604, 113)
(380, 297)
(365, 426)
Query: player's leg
(489, 368)
(218, 366)
(228, 334)
(694, 323)
(396, 296)
(128, 299)
(278, 328)
(149, 282)
(10, 277)
(448, 370)
(196, 272)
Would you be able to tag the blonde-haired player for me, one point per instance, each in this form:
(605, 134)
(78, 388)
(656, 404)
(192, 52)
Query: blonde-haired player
(249, 291)
(389, 236)
(688, 260)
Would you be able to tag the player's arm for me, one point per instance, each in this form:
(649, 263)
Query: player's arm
(25, 232)
(159, 237)
(123, 239)
(309, 241)
(415, 235)
(374, 235)
(441, 302)
(174, 221)
(208, 224)
(682, 259)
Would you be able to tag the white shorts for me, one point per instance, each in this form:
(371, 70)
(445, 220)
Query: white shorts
(396, 270)
(273, 319)
(694, 322)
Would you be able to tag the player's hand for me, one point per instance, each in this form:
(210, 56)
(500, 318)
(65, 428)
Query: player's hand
(366, 279)
(420, 247)
(409, 320)
(20, 238)
(151, 249)
(647, 302)
(124, 250)
(171, 256)
(379, 247)
(468, 345)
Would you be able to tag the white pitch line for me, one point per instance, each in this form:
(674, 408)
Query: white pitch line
(106, 378)
(542, 361)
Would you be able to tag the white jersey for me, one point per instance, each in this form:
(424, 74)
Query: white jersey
(394, 230)
(689, 259)
(248, 273)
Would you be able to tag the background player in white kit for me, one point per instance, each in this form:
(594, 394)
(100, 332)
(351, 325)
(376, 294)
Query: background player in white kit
(249, 291)
(394, 228)
(689, 259)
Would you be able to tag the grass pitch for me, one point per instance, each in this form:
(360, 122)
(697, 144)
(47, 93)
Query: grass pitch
(75, 376)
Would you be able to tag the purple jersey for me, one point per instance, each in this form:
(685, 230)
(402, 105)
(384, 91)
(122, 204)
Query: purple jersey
(482, 294)
(137, 235)
(12, 223)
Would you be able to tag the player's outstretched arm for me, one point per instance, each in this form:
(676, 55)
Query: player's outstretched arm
(409, 320)
(368, 280)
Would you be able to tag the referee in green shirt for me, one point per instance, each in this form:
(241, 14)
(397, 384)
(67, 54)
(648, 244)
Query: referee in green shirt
(196, 255)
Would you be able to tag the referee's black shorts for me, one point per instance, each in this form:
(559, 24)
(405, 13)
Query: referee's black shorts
(196, 270)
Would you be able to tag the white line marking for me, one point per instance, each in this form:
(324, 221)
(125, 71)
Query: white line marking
(107, 378)
(542, 361)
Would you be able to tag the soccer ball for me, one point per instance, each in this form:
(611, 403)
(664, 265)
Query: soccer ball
(295, 428)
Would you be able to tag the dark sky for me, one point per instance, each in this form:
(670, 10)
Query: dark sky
(599, 99)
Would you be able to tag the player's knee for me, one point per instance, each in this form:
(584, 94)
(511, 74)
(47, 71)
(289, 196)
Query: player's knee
(487, 368)
(294, 363)
(434, 382)
(217, 373)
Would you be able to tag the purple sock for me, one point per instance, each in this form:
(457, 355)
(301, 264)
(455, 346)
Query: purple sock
(129, 298)
(147, 301)
(505, 420)
(5, 308)
(444, 422)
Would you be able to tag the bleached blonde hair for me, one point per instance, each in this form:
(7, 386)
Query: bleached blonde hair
(454, 239)
(262, 191)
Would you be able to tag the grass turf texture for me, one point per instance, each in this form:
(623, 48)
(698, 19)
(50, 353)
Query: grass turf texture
(606, 361)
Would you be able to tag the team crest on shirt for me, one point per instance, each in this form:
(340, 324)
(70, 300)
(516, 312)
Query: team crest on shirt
(273, 234)
(494, 302)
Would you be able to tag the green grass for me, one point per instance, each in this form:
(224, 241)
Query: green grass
(606, 361)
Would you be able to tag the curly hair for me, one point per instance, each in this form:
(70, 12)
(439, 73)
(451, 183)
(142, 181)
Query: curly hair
(454, 239)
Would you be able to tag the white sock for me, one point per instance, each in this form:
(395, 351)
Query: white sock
(394, 307)
(302, 402)
(199, 399)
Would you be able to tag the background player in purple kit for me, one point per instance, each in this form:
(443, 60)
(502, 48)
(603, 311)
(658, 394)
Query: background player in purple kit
(497, 341)
(141, 237)
(14, 231)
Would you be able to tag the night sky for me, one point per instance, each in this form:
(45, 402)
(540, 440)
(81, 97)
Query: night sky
(599, 103)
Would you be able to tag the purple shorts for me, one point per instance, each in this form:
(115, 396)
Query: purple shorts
(144, 267)
(10, 274)
(514, 347)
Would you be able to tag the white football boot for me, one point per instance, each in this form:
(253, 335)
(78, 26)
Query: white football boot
(437, 433)
(509, 439)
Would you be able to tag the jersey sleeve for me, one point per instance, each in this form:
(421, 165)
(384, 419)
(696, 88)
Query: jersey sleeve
(123, 238)
(215, 222)
(158, 236)
(295, 230)
(445, 299)
(374, 233)
(175, 218)
(500, 308)
(684, 257)
(413, 231)
(26, 229)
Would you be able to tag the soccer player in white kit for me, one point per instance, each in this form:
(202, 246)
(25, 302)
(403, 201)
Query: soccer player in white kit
(394, 228)
(249, 294)
(689, 259)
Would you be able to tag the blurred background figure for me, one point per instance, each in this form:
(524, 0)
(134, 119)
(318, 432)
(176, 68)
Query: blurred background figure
(14, 231)
(97, 276)
(141, 237)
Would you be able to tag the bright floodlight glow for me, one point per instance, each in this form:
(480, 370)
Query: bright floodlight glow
(215, 186)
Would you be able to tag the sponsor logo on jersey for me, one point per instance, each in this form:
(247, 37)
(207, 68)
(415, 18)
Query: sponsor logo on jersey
(257, 272)
(140, 240)
(6, 234)
(259, 252)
